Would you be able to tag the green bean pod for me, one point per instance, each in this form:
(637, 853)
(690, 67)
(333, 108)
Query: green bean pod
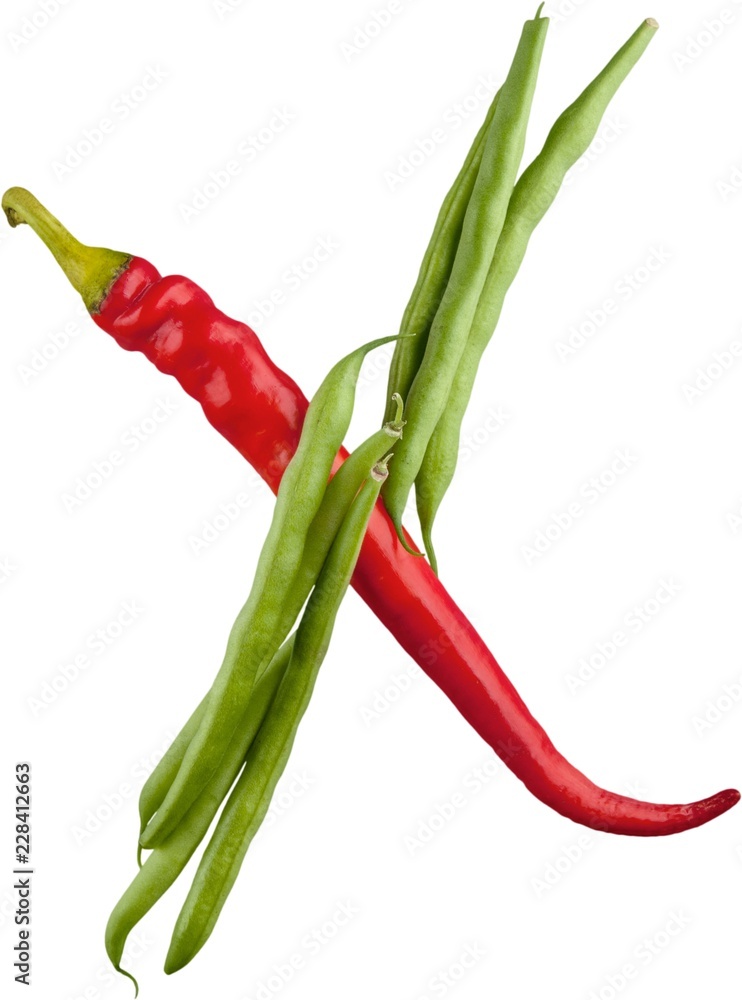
(168, 860)
(159, 781)
(434, 270)
(339, 494)
(254, 637)
(568, 140)
(250, 798)
(483, 224)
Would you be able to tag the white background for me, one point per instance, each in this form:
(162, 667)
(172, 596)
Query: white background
(380, 753)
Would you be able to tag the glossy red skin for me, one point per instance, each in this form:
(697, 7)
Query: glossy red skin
(260, 410)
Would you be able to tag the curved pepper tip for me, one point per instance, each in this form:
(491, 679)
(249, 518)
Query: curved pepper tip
(721, 802)
(673, 819)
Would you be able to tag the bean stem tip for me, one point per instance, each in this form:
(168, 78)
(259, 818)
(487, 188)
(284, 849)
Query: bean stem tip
(381, 470)
(395, 426)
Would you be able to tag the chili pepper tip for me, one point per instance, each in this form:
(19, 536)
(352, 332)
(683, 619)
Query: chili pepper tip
(728, 798)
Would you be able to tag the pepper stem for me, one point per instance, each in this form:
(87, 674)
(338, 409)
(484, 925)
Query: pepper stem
(91, 270)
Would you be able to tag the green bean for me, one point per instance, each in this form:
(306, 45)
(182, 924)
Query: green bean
(155, 787)
(435, 269)
(168, 860)
(482, 227)
(534, 193)
(250, 798)
(254, 638)
(339, 494)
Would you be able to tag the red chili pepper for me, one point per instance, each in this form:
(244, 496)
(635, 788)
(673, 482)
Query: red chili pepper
(259, 409)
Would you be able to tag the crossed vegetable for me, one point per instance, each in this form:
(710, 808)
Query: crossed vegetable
(329, 524)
